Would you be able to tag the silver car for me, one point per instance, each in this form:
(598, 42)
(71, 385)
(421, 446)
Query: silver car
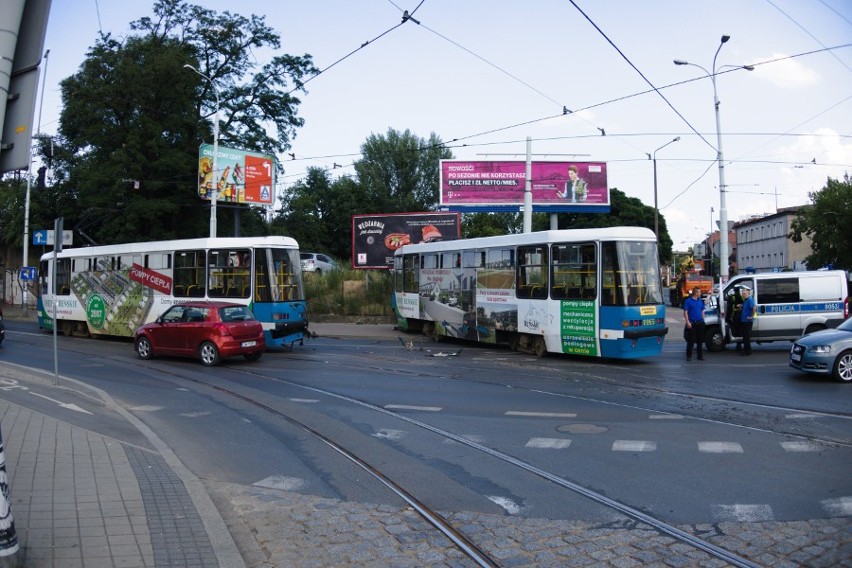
(825, 352)
(317, 263)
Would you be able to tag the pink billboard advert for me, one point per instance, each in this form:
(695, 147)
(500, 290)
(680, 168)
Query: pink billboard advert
(575, 184)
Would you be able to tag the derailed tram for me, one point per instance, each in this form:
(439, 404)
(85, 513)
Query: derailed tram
(589, 292)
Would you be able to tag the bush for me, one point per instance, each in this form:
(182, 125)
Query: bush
(348, 292)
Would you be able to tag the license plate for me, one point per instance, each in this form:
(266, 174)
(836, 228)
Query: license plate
(248, 343)
(795, 357)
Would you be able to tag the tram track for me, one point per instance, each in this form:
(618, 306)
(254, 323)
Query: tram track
(466, 546)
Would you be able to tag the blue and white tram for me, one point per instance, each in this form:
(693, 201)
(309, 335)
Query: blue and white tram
(592, 292)
(113, 289)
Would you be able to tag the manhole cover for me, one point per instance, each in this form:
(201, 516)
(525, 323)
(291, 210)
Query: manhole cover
(582, 429)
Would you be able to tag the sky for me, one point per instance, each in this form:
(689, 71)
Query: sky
(487, 74)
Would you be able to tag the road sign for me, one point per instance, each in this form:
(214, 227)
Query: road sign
(46, 237)
(28, 273)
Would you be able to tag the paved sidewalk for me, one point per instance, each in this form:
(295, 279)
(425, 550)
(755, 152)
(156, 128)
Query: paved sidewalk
(80, 498)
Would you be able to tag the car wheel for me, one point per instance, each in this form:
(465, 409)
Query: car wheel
(208, 354)
(143, 348)
(253, 356)
(843, 367)
(713, 339)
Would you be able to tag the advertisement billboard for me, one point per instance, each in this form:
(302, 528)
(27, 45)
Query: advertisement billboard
(500, 185)
(376, 236)
(243, 177)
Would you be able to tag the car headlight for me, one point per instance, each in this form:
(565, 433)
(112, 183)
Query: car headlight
(820, 349)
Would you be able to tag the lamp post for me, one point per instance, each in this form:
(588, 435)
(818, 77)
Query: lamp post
(723, 211)
(214, 196)
(710, 241)
(656, 208)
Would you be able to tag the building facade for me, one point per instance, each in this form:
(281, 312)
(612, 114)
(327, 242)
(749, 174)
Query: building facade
(763, 244)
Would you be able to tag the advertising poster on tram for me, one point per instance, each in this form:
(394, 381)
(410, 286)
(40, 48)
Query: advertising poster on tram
(242, 177)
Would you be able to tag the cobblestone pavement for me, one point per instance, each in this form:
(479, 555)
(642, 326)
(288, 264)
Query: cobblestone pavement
(281, 528)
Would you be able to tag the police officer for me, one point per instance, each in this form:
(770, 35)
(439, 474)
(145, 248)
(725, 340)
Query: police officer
(693, 313)
(747, 320)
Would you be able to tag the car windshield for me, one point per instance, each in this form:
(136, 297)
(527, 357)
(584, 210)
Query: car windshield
(846, 325)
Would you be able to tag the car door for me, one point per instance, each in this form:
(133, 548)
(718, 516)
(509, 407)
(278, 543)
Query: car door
(166, 335)
(193, 330)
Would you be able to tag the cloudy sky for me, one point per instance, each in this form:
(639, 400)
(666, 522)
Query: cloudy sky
(490, 73)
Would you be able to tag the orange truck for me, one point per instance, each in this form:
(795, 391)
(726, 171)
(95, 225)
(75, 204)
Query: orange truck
(689, 279)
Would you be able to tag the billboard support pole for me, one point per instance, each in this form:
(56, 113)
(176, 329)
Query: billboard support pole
(528, 190)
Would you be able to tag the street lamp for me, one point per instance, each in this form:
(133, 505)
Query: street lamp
(723, 211)
(214, 196)
(710, 241)
(656, 209)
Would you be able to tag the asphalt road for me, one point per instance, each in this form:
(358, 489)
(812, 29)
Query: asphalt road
(728, 439)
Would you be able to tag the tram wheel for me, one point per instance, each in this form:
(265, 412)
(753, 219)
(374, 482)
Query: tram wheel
(539, 347)
(514, 342)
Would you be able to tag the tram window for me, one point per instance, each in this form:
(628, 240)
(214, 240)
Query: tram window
(430, 261)
(229, 273)
(574, 272)
(63, 277)
(410, 273)
(473, 259)
(630, 274)
(451, 260)
(499, 270)
(532, 273)
(189, 279)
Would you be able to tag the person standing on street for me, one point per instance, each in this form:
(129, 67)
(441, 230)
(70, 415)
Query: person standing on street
(693, 313)
(747, 320)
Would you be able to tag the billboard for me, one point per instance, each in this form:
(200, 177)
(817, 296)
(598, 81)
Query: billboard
(243, 177)
(376, 236)
(491, 185)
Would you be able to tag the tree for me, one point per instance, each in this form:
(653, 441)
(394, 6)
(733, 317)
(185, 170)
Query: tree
(491, 224)
(826, 222)
(400, 172)
(129, 129)
(624, 211)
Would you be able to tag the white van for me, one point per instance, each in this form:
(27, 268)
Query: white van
(789, 304)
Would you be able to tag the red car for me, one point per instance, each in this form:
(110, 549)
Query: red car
(207, 330)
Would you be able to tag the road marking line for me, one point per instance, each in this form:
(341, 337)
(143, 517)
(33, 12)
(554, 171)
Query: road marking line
(305, 400)
(281, 482)
(743, 513)
(389, 434)
(665, 417)
(146, 408)
(506, 504)
(541, 414)
(720, 447)
(840, 507)
(801, 447)
(799, 416)
(476, 438)
(407, 407)
(634, 446)
(548, 443)
(194, 414)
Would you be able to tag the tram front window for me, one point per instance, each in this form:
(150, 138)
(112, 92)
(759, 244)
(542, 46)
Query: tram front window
(630, 274)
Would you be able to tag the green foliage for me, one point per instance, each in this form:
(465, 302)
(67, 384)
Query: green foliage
(347, 292)
(625, 211)
(399, 172)
(129, 129)
(317, 212)
(827, 222)
(491, 224)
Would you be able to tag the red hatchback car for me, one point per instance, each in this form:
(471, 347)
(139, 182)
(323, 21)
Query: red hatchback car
(210, 331)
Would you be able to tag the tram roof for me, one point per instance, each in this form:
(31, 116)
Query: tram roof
(177, 244)
(557, 236)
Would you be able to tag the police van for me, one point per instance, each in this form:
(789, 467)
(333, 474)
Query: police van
(789, 304)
